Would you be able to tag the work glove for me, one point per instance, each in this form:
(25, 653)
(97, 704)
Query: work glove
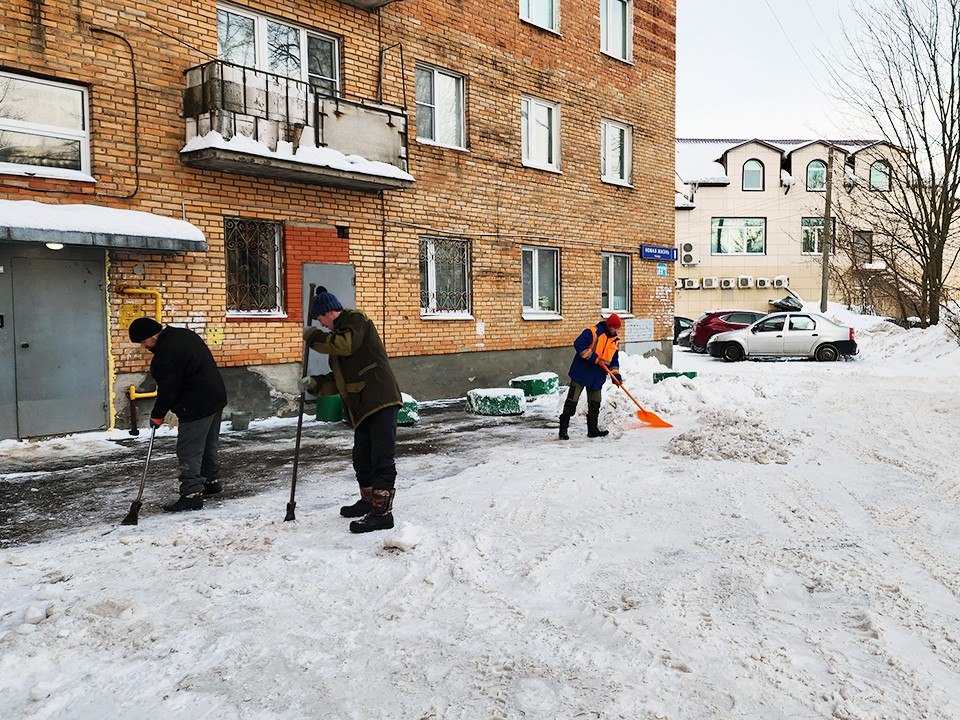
(310, 333)
(618, 378)
(308, 384)
(155, 423)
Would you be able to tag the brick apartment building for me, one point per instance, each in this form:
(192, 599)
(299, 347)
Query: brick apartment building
(484, 179)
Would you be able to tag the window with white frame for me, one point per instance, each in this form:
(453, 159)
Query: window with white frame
(254, 260)
(616, 28)
(255, 41)
(811, 235)
(753, 175)
(444, 276)
(440, 114)
(541, 12)
(616, 152)
(880, 176)
(541, 279)
(614, 282)
(540, 133)
(817, 176)
(738, 236)
(44, 128)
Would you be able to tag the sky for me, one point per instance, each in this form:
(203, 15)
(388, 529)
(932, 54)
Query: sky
(788, 549)
(750, 68)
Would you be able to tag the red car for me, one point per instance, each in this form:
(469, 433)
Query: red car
(711, 323)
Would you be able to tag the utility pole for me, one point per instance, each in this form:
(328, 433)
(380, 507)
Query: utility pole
(826, 237)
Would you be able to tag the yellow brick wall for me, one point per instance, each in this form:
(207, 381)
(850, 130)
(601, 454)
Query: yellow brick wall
(484, 193)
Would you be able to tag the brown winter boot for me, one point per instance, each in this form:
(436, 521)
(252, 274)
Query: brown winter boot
(362, 506)
(593, 416)
(380, 517)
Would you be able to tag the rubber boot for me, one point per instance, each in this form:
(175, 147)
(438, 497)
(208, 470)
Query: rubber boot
(593, 415)
(569, 409)
(362, 506)
(380, 517)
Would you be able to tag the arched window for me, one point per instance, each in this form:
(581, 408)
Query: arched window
(753, 175)
(880, 176)
(817, 175)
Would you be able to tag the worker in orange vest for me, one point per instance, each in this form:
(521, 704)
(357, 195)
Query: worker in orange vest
(596, 347)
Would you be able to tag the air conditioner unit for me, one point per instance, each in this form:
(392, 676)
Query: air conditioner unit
(678, 282)
(726, 283)
(689, 254)
(745, 281)
(781, 281)
(709, 283)
(691, 284)
(763, 283)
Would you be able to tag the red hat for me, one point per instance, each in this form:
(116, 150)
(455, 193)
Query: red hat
(614, 322)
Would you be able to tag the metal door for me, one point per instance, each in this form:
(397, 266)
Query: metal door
(338, 279)
(59, 344)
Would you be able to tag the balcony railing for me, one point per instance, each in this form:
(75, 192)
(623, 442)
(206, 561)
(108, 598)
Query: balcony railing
(242, 120)
(366, 4)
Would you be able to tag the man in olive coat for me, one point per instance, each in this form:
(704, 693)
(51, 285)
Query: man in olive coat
(362, 376)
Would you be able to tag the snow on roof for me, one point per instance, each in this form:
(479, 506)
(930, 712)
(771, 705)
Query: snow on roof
(698, 160)
(306, 153)
(94, 219)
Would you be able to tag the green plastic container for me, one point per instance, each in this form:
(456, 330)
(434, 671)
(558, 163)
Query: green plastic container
(657, 377)
(546, 383)
(329, 408)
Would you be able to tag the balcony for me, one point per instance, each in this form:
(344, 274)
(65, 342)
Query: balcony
(367, 4)
(244, 121)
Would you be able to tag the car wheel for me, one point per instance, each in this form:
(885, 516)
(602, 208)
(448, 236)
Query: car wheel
(732, 352)
(700, 349)
(827, 353)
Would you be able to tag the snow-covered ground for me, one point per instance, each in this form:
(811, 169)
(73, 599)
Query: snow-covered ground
(789, 549)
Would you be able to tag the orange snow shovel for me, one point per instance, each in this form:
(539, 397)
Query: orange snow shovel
(643, 415)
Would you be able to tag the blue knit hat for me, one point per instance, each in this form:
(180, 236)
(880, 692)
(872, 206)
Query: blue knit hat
(324, 302)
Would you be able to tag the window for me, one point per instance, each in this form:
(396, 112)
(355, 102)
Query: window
(816, 176)
(862, 247)
(253, 253)
(802, 322)
(540, 12)
(614, 282)
(774, 324)
(540, 133)
(753, 175)
(541, 279)
(444, 276)
(880, 176)
(616, 28)
(616, 152)
(738, 236)
(265, 44)
(43, 128)
(811, 232)
(440, 116)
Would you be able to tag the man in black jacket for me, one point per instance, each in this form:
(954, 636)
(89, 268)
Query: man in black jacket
(189, 385)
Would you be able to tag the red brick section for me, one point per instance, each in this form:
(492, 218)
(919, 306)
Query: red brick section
(483, 194)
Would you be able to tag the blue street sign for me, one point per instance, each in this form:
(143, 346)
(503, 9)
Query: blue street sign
(661, 269)
(656, 252)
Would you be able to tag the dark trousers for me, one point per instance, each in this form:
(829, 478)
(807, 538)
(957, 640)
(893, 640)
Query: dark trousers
(375, 448)
(198, 443)
(573, 396)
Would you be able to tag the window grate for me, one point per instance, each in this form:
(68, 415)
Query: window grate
(253, 265)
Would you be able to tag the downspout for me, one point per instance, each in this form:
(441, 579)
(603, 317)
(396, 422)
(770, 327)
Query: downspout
(132, 391)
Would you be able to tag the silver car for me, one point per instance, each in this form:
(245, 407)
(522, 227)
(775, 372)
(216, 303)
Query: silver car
(786, 334)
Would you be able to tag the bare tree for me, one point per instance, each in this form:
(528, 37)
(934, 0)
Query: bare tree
(902, 79)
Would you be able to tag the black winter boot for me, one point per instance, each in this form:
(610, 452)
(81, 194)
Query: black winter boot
(193, 501)
(212, 487)
(593, 416)
(380, 517)
(362, 506)
(569, 409)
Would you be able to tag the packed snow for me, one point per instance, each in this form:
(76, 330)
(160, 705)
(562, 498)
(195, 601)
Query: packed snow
(788, 549)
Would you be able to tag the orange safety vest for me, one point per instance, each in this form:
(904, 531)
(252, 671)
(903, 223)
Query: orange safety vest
(605, 347)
